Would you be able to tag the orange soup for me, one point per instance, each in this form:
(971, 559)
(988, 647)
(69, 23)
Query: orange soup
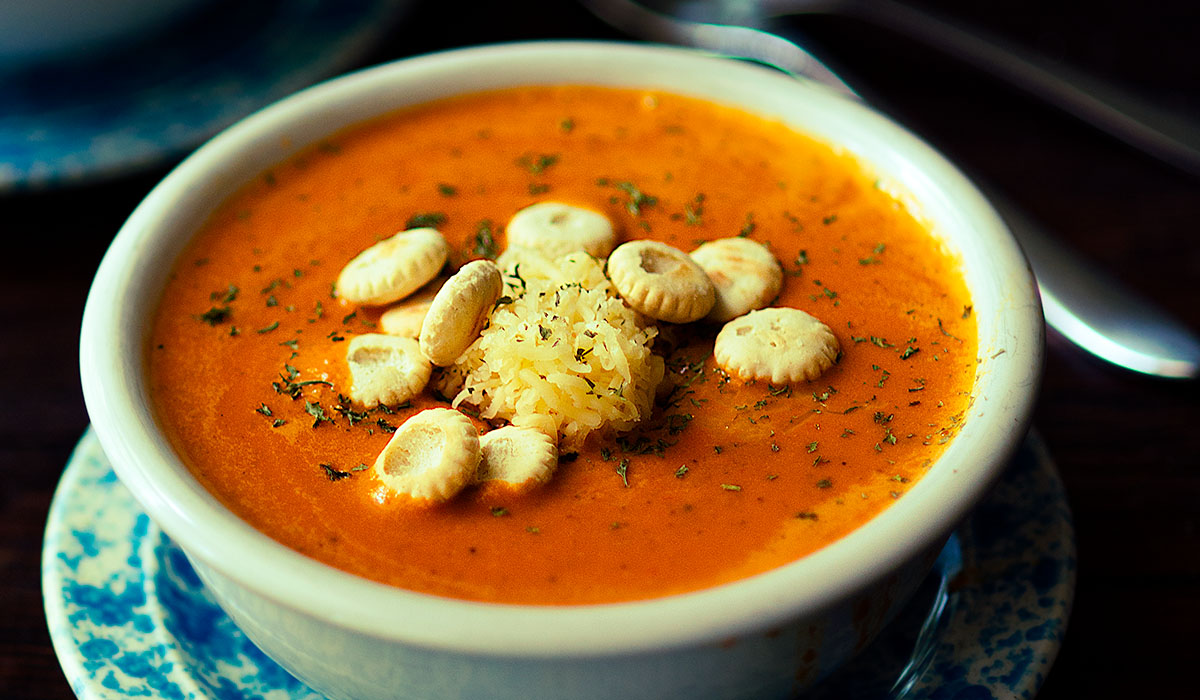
(727, 479)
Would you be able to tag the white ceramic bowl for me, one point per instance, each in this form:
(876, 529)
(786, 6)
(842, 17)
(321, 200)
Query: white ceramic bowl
(767, 636)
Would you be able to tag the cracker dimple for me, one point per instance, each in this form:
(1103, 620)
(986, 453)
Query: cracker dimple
(394, 267)
(660, 281)
(779, 345)
(746, 275)
(385, 369)
(459, 310)
(432, 456)
(520, 457)
(556, 229)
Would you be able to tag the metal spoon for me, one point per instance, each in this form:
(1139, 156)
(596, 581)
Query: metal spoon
(1169, 137)
(1086, 306)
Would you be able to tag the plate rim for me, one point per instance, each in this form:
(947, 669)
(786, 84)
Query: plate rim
(92, 153)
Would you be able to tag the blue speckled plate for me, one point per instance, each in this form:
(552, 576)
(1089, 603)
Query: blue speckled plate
(130, 619)
(153, 99)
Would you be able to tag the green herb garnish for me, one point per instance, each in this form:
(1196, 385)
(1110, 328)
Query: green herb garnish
(215, 315)
(431, 219)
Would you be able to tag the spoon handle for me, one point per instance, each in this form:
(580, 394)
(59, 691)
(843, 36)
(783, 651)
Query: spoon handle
(1096, 312)
(729, 40)
(1169, 137)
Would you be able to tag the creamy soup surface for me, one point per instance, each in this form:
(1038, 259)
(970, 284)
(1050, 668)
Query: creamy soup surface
(726, 480)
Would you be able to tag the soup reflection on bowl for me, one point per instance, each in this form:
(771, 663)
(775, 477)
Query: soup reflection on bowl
(708, 523)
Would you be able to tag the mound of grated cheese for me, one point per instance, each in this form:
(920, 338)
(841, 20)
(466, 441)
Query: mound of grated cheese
(566, 356)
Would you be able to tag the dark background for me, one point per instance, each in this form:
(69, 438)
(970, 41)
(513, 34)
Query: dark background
(1124, 444)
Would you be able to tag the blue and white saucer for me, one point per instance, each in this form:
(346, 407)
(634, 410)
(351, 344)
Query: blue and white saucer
(91, 117)
(130, 619)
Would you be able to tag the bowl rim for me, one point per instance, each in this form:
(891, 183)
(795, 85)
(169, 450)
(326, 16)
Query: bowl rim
(115, 392)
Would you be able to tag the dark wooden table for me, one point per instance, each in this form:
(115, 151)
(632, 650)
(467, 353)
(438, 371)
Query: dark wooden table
(1125, 444)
